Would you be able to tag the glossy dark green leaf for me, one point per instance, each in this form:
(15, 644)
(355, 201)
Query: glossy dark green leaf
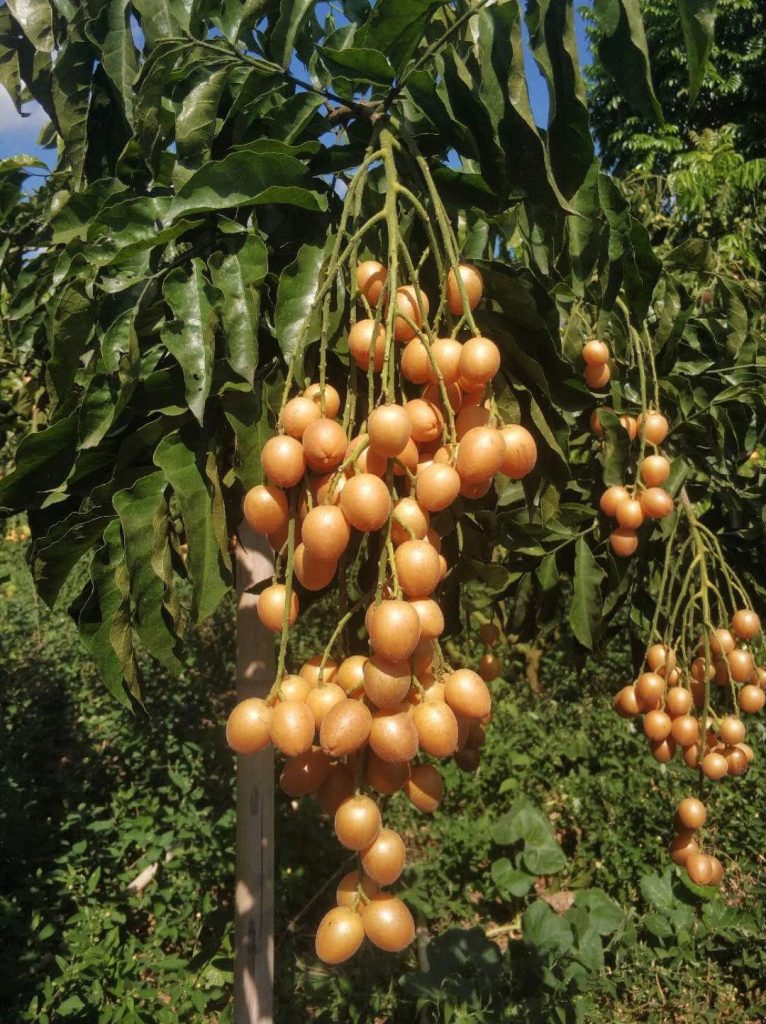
(71, 90)
(196, 120)
(111, 31)
(161, 19)
(585, 607)
(395, 28)
(55, 554)
(623, 50)
(43, 461)
(297, 313)
(182, 458)
(359, 64)
(10, 71)
(248, 417)
(143, 513)
(698, 24)
(190, 336)
(73, 320)
(247, 179)
(545, 931)
(237, 275)
(292, 14)
(234, 16)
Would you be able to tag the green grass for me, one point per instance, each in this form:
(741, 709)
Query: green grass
(90, 795)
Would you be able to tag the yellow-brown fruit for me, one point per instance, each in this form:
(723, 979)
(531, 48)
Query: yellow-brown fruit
(431, 618)
(389, 428)
(623, 542)
(597, 377)
(331, 399)
(480, 455)
(467, 694)
(446, 353)
(365, 502)
(386, 683)
(348, 892)
(322, 698)
(394, 627)
(425, 787)
(700, 868)
(283, 460)
(315, 672)
(338, 786)
(407, 304)
(682, 847)
(384, 859)
(312, 573)
(292, 727)
(350, 675)
(479, 363)
(691, 813)
(357, 822)
(426, 421)
(437, 487)
(595, 353)
(271, 607)
(415, 362)
(326, 533)
(473, 286)
(626, 702)
(489, 634)
(247, 728)
(366, 342)
(384, 777)
(520, 451)
(387, 922)
(305, 773)
(339, 936)
(418, 569)
(746, 624)
(297, 414)
(489, 667)
(265, 509)
(371, 279)
(393, 735)
(656, 427)
(410, 521)
(436, 726)
(345, 727)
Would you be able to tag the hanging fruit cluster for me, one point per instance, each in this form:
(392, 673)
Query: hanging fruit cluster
(350, 501)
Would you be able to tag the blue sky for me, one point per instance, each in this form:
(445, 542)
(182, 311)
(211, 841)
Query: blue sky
(19, 134)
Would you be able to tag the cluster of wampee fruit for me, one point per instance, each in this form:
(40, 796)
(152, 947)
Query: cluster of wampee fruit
(356, 728)
(676, 706)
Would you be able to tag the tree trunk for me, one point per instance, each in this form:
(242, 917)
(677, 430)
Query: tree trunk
(254, 896)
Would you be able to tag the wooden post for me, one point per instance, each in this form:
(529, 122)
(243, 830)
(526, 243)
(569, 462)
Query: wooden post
(254, 895)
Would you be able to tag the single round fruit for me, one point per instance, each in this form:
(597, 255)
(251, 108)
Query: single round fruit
(371, 279)
(714, 765)
(383, 861)
(271, 607)
(425, 787)
(657, 725)
(247, 728)
(479, 362)
(365, 502)
(649, 689)
(394, 626)
(331, 399)
(355, 888)
(663, 750)
(357, 822)
(418, 569)
(393, 735)
(283, 460)
(717, 876)
(315, 673)
(366, 341)
(326, 533)
(324, 443)
(736, 760)
(350, 675)
(431, 618)
(691, 813)
(389, 428)
(426, 421)
(312, 573)
(626, 702)
(699, 867)
(751, 698)
(489, 634)
(437, 487)
(746, 624)
(446, 353)
(297, 414)
(407, 305)
(467, 759)
(660, 658)
(293, 688)
(656, 503)
(339, 936)
(623, 542)
(410, 521)
(685, 730)
(387, 922)
(322, 698)
(678, 701)
(265, 509)
(305, 773)
(489, 667)
(292, 727)
(384, 777)
(470, 417)
(682, 847)
(416, 365)
(611, 498)
(436, 727)
(520, 452)
(731, 730)
(629, 514)
(655, 469)
(595, 424)
(628, 423)
(595, 353)
(480, 455)
(467, 694)
(721, 642)
(597, 377)
(386, 683)
(656, 427)
(345, 728)
(741, 665)
(473, 286)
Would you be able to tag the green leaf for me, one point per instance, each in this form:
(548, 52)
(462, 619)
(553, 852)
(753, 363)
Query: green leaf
(196, 121)
(509, 880)
(161, 19)
(143, 513)
(111, 31)
(364, 65)
(43, 462)
(190, 336)
(248, 417)
(237, 275)
(292, 14)
(36, 20)
(545, 930)
(247, 178)
(623, 50)
(604, 915)
(73, 318)
(395, 28)
(71, 91)
(297, 313)
(541, 855)
(57, 552)
(182, 458)
(698, 24)
(104, 618)
(233, 16)
(585, 607)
